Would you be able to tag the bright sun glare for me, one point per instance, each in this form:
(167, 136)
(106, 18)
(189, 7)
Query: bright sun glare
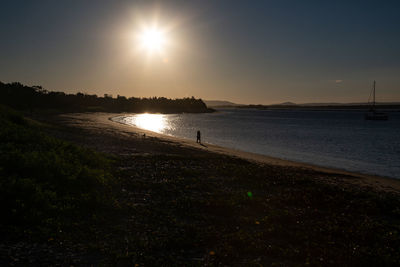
(152, 39)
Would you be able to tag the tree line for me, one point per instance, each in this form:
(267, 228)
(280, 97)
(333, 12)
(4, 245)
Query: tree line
(31, 98)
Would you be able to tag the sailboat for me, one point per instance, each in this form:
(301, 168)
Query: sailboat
(373, 114)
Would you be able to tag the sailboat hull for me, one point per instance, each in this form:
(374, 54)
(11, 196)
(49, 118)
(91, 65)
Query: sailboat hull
(376, 116)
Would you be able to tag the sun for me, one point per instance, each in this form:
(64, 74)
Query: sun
(152, 39)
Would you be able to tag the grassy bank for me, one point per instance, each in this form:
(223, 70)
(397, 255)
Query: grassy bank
(158, 203)
(47, 186)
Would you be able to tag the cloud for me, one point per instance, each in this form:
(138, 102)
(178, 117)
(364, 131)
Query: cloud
(336, 81)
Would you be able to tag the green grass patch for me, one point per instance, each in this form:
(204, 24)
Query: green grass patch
(47, 183)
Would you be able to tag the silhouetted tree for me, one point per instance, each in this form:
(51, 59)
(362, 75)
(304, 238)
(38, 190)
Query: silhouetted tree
(23, 97)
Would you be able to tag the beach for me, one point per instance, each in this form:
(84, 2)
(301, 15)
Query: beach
(199, 133)
(175, 202)
(103, 122)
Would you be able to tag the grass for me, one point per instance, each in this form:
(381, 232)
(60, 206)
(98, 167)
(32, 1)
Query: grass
(44, 181)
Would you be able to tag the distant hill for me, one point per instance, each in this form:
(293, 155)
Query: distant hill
(220, 103)
(325, 106)
(286, 104)
(223, 103)
(348, 104)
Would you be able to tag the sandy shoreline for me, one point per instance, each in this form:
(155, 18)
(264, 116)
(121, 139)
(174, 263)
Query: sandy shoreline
(163, 200)
(104, 121)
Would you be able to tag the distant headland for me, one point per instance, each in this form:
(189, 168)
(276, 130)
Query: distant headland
(305, 106)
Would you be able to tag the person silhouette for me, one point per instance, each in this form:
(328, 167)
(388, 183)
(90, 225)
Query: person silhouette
(198, 137)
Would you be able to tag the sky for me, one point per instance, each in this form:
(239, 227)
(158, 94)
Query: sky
(249, 52)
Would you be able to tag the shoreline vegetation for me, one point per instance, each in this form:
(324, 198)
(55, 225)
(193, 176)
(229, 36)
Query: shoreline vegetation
(33, 98)
(79, 189)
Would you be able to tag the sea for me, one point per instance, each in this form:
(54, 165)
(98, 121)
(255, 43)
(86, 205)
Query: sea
(340, 139)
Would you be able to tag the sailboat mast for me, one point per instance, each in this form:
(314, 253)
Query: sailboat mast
(374, 94)
(373, 114)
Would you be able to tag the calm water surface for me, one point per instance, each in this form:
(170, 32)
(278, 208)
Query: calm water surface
(338, 139)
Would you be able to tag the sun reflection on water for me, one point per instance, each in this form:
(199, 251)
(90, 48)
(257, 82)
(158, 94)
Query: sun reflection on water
(152, 122)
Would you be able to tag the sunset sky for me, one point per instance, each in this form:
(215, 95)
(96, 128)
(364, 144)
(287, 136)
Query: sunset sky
(258, 52)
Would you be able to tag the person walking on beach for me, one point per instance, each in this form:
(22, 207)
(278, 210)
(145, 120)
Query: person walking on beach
(198, 137)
